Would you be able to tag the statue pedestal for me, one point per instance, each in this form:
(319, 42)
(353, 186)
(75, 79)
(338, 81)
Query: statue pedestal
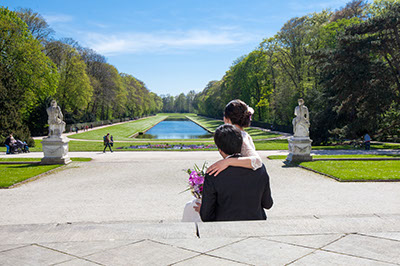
(299, 149)
(55, 149)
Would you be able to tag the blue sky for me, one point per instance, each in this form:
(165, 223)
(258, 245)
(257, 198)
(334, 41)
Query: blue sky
(173, 46)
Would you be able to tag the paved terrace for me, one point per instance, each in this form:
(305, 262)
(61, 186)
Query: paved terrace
(124, 208)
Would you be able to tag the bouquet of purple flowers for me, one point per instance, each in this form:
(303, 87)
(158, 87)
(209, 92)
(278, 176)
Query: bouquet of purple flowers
(196, 180)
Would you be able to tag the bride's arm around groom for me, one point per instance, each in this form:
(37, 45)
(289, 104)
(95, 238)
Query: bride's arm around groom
(237, 193)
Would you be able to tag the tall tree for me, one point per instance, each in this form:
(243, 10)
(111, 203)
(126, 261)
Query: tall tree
(74, 89)
(26, 74)
(37, 25)
(353, 9)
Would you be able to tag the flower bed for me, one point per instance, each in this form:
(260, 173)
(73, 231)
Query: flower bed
(170, 147)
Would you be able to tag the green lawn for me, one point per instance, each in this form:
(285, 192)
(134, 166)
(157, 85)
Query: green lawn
(357, 170)
(212, 124)
(209, 123)
(77, 159)
(122, 131)
(282, 157)
(374, 146)
(11, 174)
(278, 144)
(354, 170)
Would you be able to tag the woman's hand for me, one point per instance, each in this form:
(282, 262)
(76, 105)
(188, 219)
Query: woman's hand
(197, 207)
(218, 167)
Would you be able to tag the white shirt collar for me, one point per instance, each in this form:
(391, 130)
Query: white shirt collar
(235, 154)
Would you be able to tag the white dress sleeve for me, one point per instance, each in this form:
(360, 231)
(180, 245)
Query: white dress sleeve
(249, 150)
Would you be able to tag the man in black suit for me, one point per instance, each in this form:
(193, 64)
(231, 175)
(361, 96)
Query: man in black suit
(237, 193)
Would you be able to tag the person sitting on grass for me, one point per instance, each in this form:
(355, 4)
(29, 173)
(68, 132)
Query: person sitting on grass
(237, 193)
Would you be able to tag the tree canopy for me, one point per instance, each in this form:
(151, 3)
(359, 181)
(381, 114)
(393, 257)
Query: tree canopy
(34, 69)
(344, 63)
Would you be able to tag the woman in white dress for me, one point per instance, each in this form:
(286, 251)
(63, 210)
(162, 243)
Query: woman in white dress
(239, 114)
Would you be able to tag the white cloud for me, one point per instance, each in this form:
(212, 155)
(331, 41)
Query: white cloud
(138, 42)
(59, 18)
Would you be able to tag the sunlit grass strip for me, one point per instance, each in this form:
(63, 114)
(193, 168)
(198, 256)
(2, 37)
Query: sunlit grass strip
(75, 145)
(173, 147)
(11, 174)
(77, 159)
(357, 171)
(122, 131)
(212, 124)
(343, 156)
(374, 146)
(209, 123)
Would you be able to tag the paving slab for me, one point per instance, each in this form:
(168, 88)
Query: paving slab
(258, 251)
(202, 245)
(310, 241)
(335, 259)
(77, 262)
(45, 233)
(208, 260)
(386, 235)
(367, 247)
(32, 255)
(142, 253)
(9, 247)
(306, 226)
(85, 248)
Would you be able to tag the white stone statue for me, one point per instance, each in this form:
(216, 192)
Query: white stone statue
(55, 146)
(301, 122)
(300, 143)
(55, 121)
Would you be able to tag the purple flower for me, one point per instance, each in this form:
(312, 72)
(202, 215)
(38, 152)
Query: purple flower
(192, 177)
(195, 179)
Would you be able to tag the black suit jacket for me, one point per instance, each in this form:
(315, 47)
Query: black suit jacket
(236, 194)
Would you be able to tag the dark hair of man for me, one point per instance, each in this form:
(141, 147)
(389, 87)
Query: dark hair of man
(237, 111)
(228, 139)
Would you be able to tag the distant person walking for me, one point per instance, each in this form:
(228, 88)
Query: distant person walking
(107, 142)
(112, 141)
(367, 142)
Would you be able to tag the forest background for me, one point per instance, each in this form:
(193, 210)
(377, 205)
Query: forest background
(345, 64)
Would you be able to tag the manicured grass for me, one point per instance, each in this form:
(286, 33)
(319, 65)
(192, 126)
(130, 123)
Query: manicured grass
(11, 174)
(212, 124)
(278, 144)
(77, 159)
(175, 115)
(357, 170)
(282, 157)
(374, 146)
(122, 131)
(260, 134)
(209, 123)
(123, 146)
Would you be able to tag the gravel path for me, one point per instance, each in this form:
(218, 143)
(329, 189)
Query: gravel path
(146, 186)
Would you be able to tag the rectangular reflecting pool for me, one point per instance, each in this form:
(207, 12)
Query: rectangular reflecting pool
(171, 129)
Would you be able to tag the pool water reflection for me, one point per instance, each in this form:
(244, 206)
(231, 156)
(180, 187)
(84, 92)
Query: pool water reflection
(170, 129)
